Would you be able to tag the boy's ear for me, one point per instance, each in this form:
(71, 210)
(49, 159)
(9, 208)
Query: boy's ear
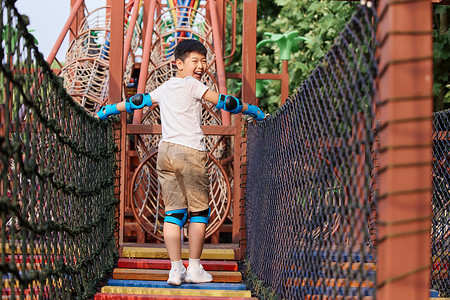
(179, 63)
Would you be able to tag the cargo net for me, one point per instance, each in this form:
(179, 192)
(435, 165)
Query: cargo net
(58, 210)
(310, 195)
(440, 234)
(86, 72)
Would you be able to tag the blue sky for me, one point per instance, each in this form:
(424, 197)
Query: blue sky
(47, 19)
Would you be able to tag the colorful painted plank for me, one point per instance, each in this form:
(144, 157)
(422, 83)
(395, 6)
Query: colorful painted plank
(102, 296)
(147, 252)
(164, 264)
(151, 274)
(174, 292)
(163, 284)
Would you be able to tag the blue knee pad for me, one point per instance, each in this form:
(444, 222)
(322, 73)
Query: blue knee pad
(200, 216)
(107, 110)
(138, 101)
(178, 217)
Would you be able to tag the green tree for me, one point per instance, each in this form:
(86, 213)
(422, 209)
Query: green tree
(318, 21)
(441, 53)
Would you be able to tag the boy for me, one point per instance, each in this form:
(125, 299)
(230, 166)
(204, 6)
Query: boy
(182, 158)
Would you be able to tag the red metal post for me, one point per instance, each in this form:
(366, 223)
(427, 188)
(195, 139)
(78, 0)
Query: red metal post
(405, 112)
(76, 22)
(248, 95)
(115, 93)
(130, 31)
(137, 117)
(217, 36)
(63, 33)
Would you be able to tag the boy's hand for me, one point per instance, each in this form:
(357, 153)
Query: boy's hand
(255, 112)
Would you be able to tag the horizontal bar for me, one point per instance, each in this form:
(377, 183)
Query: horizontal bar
(156, 129)
(258, 76)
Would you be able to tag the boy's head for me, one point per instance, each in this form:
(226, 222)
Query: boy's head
(185, 47)
(190, 59)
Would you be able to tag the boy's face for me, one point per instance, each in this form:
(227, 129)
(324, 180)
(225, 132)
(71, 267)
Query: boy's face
(194, 65)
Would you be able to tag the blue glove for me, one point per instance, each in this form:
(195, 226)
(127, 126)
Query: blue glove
(108, 110)
(255, 112)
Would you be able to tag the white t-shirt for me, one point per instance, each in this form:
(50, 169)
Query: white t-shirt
(181, 111)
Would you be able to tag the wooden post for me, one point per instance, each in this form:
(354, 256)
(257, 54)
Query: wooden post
(405, 112)
(248, 95)
(115, 93)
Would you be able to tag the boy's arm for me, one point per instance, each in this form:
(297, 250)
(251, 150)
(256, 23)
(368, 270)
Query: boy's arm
(233, 105)
(137, 101)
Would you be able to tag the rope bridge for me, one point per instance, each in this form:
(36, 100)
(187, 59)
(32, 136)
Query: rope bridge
(310, 192)
(58, 174)
(440, 235)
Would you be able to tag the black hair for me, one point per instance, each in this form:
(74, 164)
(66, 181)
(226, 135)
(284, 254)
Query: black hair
(185, 47)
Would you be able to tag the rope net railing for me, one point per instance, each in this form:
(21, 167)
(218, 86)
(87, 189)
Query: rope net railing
(310, 192)
(58, 179)
(440, 234)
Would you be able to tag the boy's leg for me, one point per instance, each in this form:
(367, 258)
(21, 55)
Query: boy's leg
(172, 240)
(196, 239)
(174, 217)
(195, 272)
(189, 167)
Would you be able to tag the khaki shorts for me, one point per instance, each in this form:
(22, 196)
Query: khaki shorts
(183, 177)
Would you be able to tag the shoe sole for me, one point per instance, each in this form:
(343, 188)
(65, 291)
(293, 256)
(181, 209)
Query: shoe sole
(174, 283)
(192, 281)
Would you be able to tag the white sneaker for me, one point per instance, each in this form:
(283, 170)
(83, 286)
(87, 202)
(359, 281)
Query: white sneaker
(197, 276)
(176, 277)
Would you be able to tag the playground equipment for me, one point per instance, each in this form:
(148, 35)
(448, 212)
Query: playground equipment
(343, 211)
(86, 72)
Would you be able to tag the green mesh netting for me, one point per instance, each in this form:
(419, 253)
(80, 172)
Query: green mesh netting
(58, 179)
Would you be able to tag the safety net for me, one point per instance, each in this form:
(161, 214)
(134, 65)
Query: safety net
(440, 233)
(311, 203)
(58, 178)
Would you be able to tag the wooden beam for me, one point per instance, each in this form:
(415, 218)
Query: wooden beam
(156, 129)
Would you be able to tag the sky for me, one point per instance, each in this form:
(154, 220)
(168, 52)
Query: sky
(47, 19)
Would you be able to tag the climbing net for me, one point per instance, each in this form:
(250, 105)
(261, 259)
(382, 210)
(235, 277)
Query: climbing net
(440, 236)
(57, 179)
(86, 72)
(310, 197)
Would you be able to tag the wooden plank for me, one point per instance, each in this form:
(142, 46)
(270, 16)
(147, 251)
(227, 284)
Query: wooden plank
(145, 252)
(208, 265)
(109, 296)
(165, 285)
(156, 129)
(150, 274)
(175, 292)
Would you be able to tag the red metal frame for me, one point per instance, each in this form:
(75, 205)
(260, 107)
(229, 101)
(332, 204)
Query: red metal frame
(74, 12)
